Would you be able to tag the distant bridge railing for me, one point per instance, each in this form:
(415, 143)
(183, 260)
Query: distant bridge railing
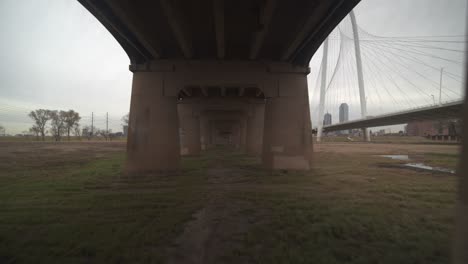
(447, 110)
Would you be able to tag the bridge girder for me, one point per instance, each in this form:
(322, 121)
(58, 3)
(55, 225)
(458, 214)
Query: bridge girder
(269, 30)
(449, 110)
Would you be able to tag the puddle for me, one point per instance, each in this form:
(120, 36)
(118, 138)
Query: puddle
(396, 157)
(420, 166)
(429, 168)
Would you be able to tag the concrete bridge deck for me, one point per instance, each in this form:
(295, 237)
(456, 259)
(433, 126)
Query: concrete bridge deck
(201, 66)
(434, 112)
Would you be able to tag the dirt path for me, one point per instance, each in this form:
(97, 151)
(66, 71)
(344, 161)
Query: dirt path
(211, 235)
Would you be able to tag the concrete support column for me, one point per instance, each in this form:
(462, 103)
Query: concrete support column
(460, 252)
(153, 136)
(255, 122)
(236, 136)
(243, 134)
(287, 140)
(189, 130)
(204, 132)
(366, 135)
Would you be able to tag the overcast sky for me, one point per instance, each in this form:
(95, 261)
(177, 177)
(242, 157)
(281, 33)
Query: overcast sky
(396, 18)
(54, 54)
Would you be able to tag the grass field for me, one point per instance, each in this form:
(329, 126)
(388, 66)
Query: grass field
(70, 203)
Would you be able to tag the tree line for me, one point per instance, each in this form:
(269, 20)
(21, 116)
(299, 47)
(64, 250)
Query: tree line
(58, 123)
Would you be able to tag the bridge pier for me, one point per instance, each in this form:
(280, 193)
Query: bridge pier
(243, 134)
(204, 132)
(287, 139)
(189, 131)
(183, 107)
(174, 47)
(366, 134)
(460, 248)
(153, 132)
(255, 121)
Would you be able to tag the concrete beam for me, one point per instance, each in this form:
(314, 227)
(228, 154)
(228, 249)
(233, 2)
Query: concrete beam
(186, 91)
(176, 23)
(218, 9)
(127, 39)
(259, 36)
(312, 28)
(130, 20)
(300, 37)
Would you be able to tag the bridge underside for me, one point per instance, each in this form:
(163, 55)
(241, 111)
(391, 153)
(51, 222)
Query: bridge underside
(181, 107)
(219, 72)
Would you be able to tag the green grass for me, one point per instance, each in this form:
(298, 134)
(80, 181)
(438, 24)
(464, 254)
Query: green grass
(342, 213)
(444, 160)
(75, 214)
(349, 209)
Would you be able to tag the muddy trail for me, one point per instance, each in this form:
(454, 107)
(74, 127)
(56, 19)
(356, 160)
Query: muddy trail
(216, 230)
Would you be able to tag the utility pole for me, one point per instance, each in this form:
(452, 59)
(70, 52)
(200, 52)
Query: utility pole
(440, 88)
(322, 90)
(362, 93)
(107, 125)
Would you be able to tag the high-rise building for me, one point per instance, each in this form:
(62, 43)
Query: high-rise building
(344, 112)
(327, 119)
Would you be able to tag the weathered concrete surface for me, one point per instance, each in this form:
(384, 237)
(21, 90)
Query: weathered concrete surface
(153, 134)
(460, 252)
(287, 140)
(176, 44)
(255, 123)
(204, 103)
(189, 131)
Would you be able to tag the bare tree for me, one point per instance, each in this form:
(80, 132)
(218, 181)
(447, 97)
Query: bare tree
(35, 131)
(125, 119)
(40, 117)
(57, 124)
(104, 133)
(2, 130)
(70, 120)
(77, 130)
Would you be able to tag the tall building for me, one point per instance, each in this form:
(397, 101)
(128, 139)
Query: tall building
(327, 119)
(344, 112)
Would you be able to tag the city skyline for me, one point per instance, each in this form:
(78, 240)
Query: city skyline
(327, 119)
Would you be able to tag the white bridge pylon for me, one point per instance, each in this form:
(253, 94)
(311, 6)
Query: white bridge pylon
(323, 84)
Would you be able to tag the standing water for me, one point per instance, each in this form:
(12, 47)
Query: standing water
(421, 166)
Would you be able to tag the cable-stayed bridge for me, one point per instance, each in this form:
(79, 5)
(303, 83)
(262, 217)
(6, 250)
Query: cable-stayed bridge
(450, 110)
(386, 80)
